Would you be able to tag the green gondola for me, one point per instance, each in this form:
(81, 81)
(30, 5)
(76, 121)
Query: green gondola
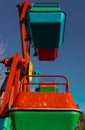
(46, 109)
(44, 120)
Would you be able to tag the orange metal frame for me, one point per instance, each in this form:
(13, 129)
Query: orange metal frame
(9, 84)
(22, 8)
(13, 81)
(15, 62)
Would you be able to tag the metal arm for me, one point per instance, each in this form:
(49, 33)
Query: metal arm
(22, 8)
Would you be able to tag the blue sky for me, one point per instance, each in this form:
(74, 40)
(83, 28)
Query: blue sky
(71, 55)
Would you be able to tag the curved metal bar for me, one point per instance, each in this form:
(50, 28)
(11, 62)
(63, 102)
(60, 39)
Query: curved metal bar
(49, 83)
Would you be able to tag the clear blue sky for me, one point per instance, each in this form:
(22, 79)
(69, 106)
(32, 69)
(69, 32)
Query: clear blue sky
(71, 55)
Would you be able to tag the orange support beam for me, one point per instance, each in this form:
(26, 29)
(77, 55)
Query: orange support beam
(25, 6)
(9, 84)
(14, 76)
(22, 8)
